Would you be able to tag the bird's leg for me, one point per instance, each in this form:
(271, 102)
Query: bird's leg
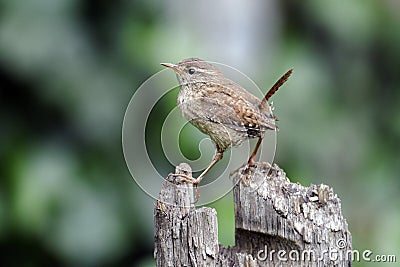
(217, 157)
(251, 161)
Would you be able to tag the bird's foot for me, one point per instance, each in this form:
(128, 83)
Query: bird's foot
(184, 178)
(251, 162)
(187, 179)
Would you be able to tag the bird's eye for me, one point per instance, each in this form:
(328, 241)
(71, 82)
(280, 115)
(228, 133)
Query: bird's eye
(191, 71)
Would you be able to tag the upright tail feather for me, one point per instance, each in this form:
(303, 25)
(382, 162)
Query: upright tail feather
(276, 86)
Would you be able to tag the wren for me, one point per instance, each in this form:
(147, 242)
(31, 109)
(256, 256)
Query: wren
(221, 108)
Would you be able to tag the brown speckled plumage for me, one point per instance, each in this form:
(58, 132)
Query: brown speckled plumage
(220, 108)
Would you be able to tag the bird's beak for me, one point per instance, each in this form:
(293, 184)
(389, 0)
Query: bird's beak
(172, 66)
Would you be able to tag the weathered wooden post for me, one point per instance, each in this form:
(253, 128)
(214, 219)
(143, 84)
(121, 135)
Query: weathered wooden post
(278, 223)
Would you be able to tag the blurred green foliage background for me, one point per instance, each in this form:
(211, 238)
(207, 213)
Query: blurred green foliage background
(68, 69)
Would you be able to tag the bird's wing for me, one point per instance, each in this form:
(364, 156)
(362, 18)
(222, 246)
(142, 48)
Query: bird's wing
(233, 112)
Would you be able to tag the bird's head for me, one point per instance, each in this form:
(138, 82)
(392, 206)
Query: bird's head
(192, 70)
